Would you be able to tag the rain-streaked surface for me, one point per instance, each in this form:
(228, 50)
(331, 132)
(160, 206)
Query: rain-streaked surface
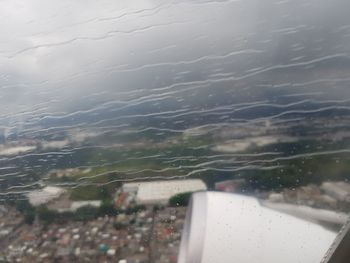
(94, 94)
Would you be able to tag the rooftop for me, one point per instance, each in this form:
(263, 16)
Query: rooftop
(44, 195)
(161, 191)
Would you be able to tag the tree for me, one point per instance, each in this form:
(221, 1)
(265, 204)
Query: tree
(23, 205)
(46, 215)
(107, 208)
(64, 217)
(105, 196)
(135, 209)
(86, 213)
(25, 208)
(119, 226)
(29, 217)
(181, 199)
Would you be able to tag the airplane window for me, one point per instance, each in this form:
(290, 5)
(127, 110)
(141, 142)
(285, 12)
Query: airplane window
(173, 131)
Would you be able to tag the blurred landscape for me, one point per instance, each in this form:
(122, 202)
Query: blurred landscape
(82, 202)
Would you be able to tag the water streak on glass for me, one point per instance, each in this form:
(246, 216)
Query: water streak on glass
(97, 94)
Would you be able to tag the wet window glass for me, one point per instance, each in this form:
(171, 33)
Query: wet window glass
(173, 131)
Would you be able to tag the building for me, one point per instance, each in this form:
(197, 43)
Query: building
(337, 190)
(131, 187)
(159, 192)
(78, 204)
(45, 195)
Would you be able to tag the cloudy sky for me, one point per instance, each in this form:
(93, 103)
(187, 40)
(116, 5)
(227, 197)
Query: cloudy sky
(64, 58)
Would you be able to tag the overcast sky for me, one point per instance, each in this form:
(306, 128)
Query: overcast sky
(58, 57)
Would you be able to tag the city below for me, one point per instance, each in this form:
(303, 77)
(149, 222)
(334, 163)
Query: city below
(138, 224)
